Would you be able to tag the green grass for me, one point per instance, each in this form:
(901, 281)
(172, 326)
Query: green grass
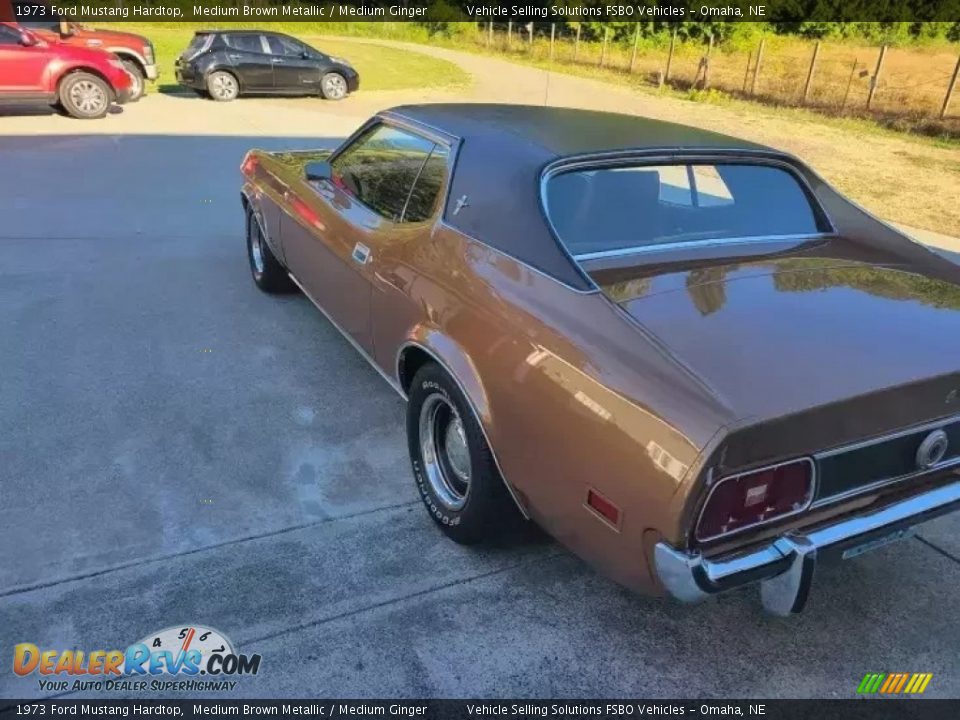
(380, 68)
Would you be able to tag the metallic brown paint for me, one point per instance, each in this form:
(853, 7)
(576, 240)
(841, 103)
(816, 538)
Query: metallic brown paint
(658, 381)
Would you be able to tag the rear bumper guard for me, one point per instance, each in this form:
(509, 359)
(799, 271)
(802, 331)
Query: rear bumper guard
(784, 567)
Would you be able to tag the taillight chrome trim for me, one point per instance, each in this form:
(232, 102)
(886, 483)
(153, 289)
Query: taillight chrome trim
(777, 518)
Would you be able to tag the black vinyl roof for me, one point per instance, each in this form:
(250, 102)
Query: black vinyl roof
(503, 151)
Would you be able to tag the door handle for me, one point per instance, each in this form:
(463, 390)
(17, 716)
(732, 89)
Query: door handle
(276, 60)
(234, 56)
(361, 253)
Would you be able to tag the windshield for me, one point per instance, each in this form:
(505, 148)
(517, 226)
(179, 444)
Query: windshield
(613, 210)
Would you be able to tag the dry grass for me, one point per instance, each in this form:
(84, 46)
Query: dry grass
(909, 96)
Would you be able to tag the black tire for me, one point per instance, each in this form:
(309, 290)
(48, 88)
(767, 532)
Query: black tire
(139, 88)
(201, 93)
(333, 86)
(268, 274)
(85, 96)
(223, 86)
(486, 511)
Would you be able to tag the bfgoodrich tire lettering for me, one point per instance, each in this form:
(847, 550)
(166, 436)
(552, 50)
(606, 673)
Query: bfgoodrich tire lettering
(468, 505)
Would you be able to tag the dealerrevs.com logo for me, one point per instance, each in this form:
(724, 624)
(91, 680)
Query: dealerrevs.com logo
(190, 658)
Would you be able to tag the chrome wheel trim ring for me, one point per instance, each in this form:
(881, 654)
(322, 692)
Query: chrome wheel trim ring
(256, 246)
(224, 86)
(444, 451)
(88, 97)
(334, 86)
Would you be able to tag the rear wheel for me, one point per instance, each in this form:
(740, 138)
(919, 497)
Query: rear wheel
(268, 274)
(334, 86)
(85, 96)
(456, 475)
(223, 86)
(139, 87)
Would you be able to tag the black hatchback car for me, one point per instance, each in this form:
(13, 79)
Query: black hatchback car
(226, 64)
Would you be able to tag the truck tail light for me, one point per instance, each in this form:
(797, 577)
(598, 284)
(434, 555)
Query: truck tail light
(742, 501)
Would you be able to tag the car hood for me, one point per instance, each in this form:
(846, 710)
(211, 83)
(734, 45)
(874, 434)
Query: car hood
(111, 38)
(780, 334)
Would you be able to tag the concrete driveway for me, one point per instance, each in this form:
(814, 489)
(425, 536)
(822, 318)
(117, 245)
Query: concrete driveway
(179, 448)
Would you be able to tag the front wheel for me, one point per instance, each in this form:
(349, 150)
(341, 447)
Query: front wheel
(138, 86)
(85, 96)
(456, 475)
(334, 86)
(223, 86)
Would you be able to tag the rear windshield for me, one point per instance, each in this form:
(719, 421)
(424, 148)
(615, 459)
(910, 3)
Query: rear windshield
(618, 209)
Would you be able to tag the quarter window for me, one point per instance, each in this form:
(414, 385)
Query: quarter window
(625, 208)
(396, 174)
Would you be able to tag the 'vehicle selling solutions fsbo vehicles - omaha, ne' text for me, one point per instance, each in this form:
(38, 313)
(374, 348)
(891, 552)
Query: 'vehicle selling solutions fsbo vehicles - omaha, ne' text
(684, 355)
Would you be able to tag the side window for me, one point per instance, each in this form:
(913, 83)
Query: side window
(426, 192)
(379, 169)
(244, 43)
(284, 46)
(9, 36)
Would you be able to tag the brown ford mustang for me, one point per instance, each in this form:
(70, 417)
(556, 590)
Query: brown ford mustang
(684, 355)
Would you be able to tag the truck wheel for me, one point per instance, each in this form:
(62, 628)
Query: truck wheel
(334, 86)
(268, 274)
(223, 86)
(456, 475)
(139, 87)
(85, 96)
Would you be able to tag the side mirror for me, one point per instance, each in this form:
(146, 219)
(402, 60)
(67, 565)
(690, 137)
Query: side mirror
(66, 29)
(320, 170)
(27, 40)
(306, 55)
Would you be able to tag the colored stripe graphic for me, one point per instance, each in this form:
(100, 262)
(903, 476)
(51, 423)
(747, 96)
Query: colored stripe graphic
(894, 683)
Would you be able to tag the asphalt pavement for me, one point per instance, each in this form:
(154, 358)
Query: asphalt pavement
(179, 448)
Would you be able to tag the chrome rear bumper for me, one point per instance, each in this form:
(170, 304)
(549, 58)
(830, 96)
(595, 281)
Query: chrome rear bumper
(784, 567)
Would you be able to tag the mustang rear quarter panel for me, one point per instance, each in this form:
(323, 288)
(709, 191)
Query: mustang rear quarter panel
(571, 394)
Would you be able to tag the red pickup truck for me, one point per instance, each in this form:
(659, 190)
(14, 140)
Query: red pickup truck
(82, 81)
(135, 51)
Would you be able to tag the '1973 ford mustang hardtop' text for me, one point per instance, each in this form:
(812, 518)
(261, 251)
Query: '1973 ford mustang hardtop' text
(684, 355)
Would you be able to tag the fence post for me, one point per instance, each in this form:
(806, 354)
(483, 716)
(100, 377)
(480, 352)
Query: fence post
(553, 30)
(576, 47)
(813, 64)
(953, 84)
(746, 73)
(603, 50)
(853, 71)
(673, 42)
(530, 30)
(636, 41)
(706, 65)
(756, 68)
(875, 80)
(509, 32)
(490, 33)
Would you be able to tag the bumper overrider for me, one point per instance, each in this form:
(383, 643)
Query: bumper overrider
(784, 566)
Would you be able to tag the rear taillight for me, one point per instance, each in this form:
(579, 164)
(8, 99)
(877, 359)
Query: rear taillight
(742, 501)
(249, 166)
